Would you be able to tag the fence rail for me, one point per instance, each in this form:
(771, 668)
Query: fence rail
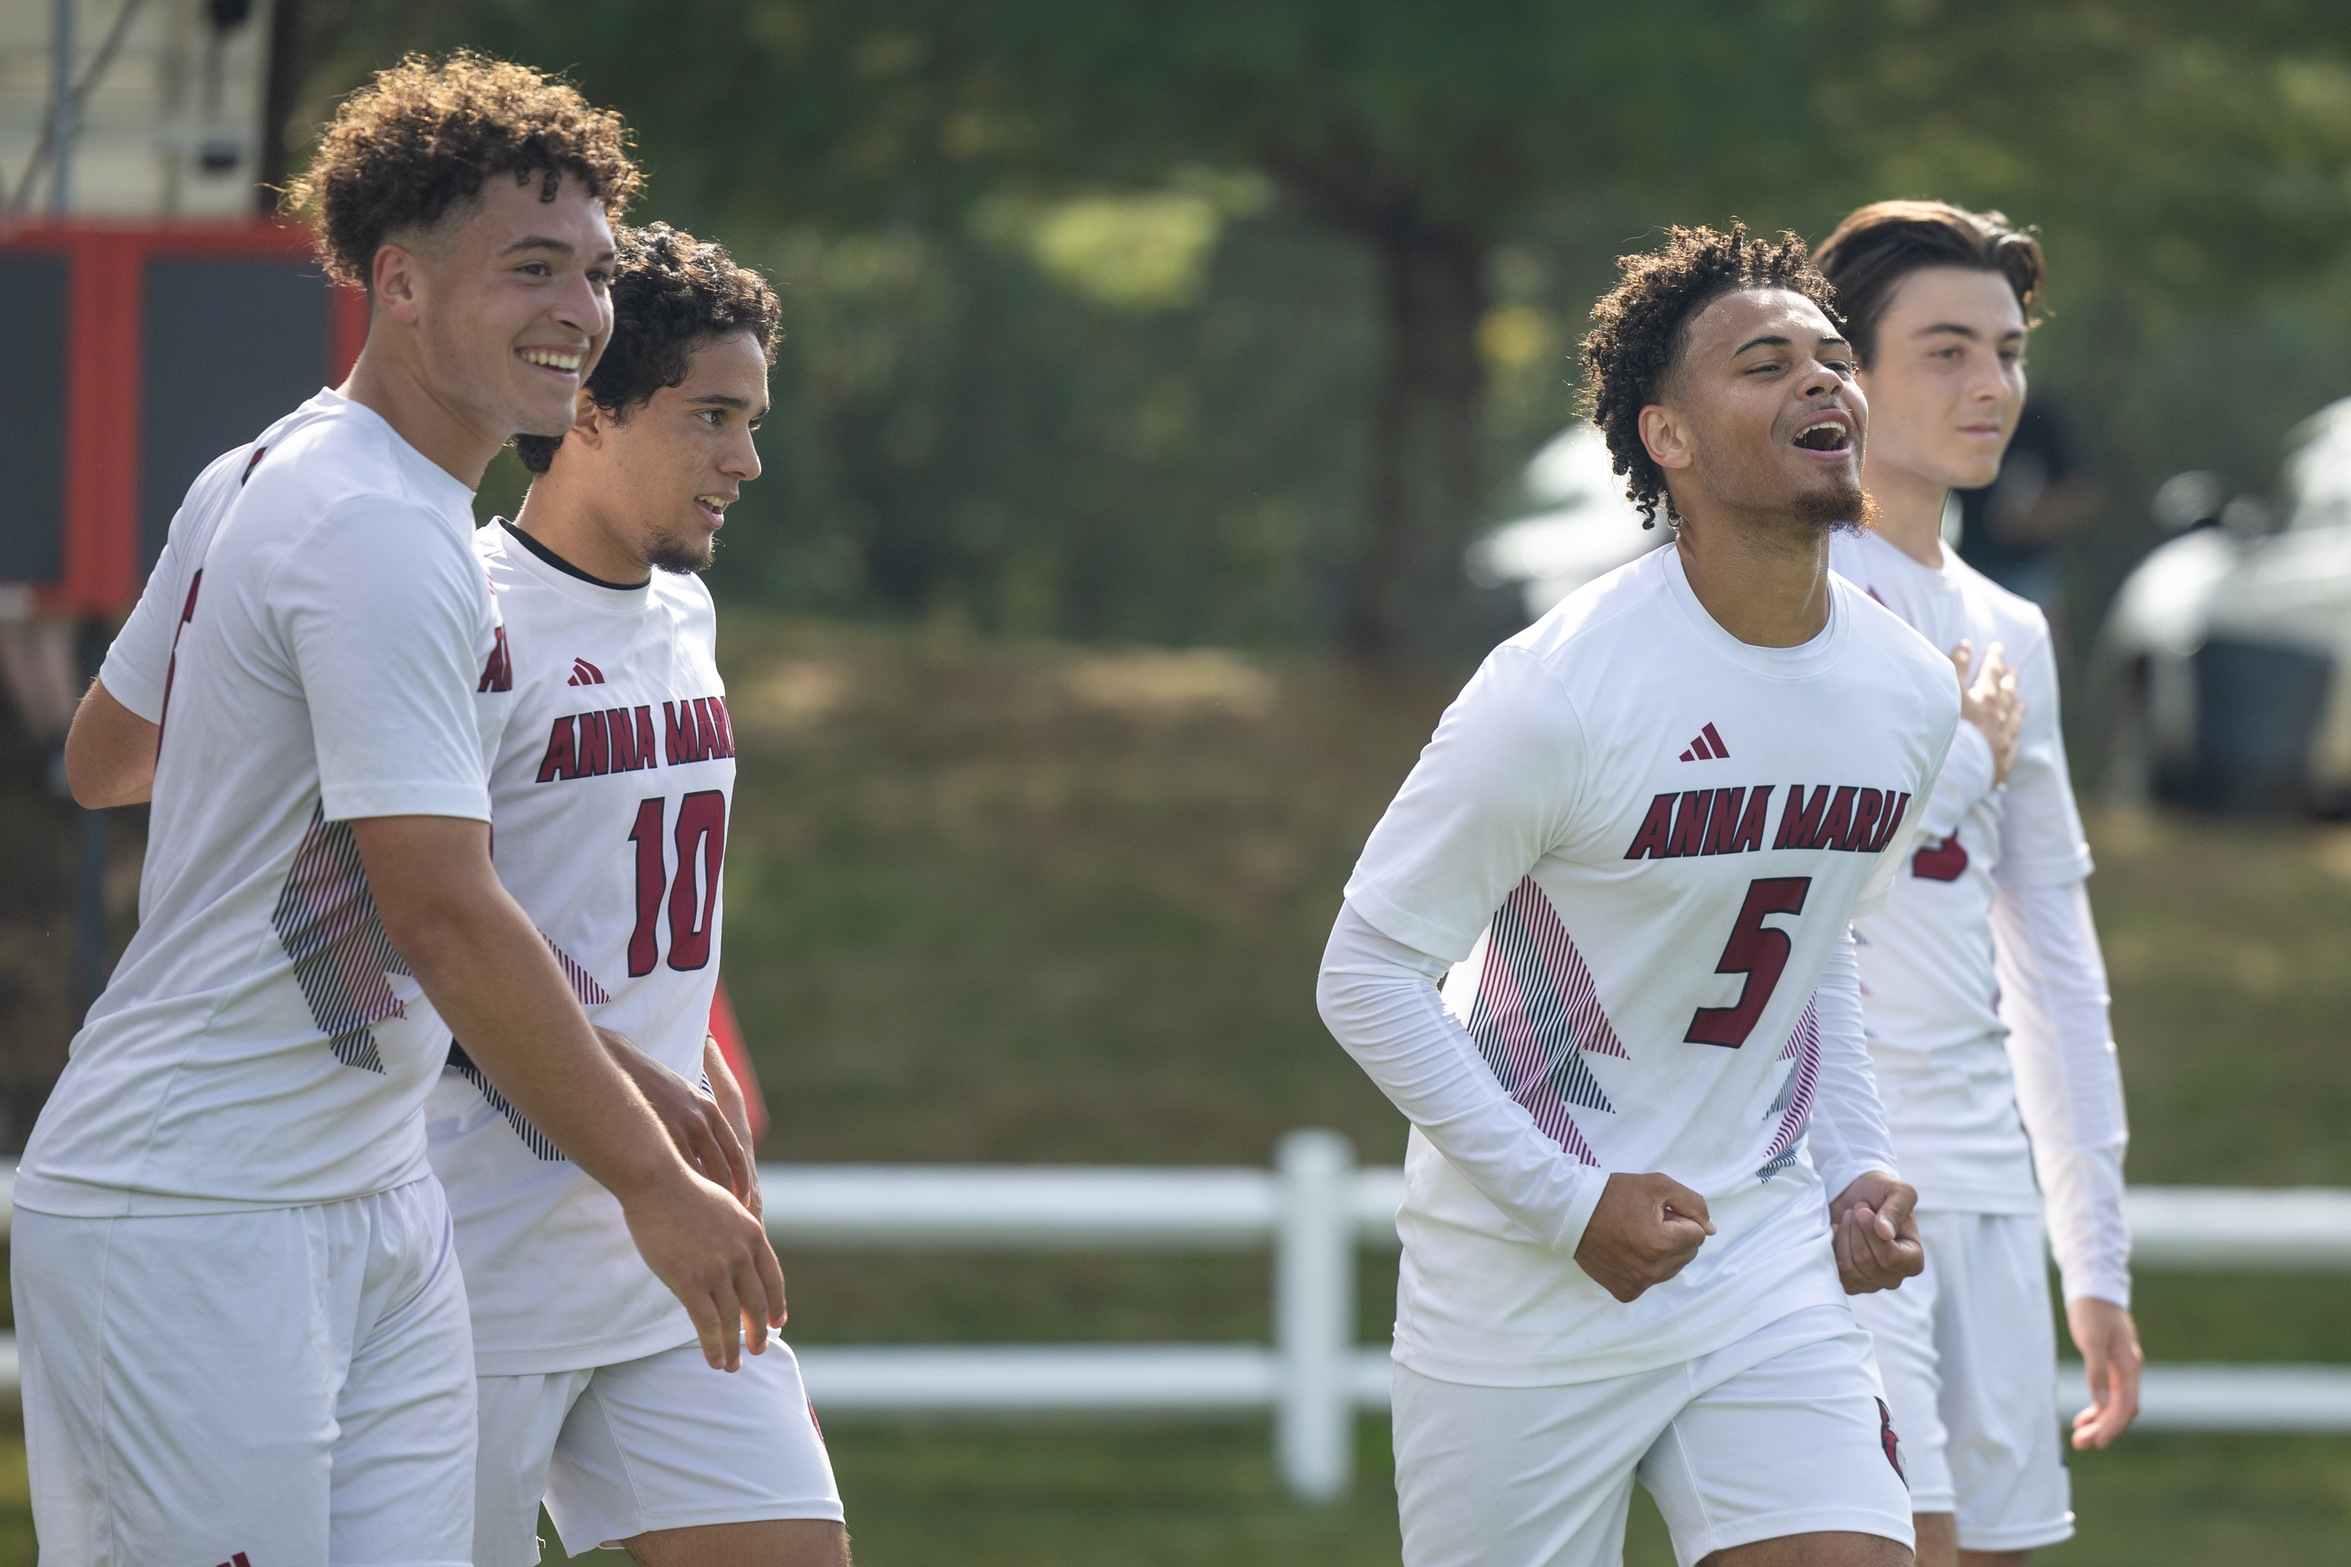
(1316, 1209)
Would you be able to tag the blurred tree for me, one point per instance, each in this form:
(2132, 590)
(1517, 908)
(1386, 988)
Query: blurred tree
(2171, 152)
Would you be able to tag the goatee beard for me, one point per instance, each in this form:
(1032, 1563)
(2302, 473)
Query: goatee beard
(1846, 510)
(682, 557)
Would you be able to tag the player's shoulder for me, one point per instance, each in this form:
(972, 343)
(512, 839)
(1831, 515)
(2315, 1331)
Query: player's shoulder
(333, 455)
(1600, 614)
(2021, 624)
(1887, 644)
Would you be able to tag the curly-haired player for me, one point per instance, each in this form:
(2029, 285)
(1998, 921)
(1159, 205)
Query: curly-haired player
(1986, 991)
(609, 799)
(1597, 952)
(238, 1301)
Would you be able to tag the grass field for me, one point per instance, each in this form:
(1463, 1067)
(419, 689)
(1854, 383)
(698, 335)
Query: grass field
(1030, 903)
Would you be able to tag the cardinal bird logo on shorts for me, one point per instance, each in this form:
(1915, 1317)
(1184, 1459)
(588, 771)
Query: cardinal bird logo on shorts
(1891, 1442)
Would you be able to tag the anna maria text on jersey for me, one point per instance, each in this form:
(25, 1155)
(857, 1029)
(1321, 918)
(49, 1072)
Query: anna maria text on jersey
(1687, 822)
(622, 739)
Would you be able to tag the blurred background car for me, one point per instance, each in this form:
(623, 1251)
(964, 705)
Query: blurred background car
(2220, 665)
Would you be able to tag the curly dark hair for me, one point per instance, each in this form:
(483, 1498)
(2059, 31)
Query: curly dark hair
(422, 136)
(1879, 245)
(671, 293)
(1641, 327)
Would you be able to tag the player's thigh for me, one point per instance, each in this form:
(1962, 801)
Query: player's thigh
(1522, 1476)
(1903, 1326)
(665, 1443)
(1999, 1353)
(1785, 1435)
(774, 1542)
(520, 1417)
(405, 1415)
(179, 1382)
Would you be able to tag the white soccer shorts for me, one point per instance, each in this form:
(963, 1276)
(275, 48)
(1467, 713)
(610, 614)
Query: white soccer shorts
(275, 1385)
(659, 1443)
(1969, 1359)
(1781, 1433)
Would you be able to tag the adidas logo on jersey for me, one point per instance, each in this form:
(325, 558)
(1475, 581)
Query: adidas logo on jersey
(584, 673)
(1708, 747)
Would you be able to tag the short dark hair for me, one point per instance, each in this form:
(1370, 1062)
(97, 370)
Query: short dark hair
(1641, 327)
(424, 135)
(1879, 245)
(671, 293)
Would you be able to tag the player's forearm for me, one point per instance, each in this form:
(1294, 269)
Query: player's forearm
(1848, 1136)
(2068, 1078)
(1378, 998)
(725, 1090)
(109, 752)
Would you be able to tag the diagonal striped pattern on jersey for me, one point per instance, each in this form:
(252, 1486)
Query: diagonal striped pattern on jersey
(532, 1138)
(326, 920)
(1794, 1104)
(1536, 1013)
(583, 983)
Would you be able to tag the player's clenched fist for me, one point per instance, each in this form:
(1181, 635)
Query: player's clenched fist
(1646, 1230)
(1876, 1234)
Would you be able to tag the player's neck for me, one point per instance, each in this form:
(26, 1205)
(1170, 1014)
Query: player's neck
(563, 520)
(1765, 580)
(1909, 511)
(392, 384)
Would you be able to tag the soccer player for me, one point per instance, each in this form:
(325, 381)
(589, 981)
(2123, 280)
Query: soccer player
(1635, 841)
(243, 1330)
(608, 802)
(1984, 993)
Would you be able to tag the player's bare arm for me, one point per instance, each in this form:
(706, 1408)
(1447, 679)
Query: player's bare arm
(2109, 1343)
(490, 975)
(732, 1104)
(109, 752)
(1646, 1230)
(714, 1142)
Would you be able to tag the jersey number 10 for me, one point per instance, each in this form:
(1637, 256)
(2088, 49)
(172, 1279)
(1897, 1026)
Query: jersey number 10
(693, 897)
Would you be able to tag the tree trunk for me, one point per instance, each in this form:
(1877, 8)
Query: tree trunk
(288, 60)
(1407, 599)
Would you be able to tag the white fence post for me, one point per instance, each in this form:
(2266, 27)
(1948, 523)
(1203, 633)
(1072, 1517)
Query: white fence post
(1314, 1313)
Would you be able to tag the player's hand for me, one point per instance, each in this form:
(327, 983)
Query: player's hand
(706, 1139)
(1646, 1230)
(1988, 700)
(1875, 1234)
(710, 1252)
(2109, 1342)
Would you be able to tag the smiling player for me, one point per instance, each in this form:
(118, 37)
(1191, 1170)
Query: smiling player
(1986, 994)
(1635, 841)
(609, 800)
(243, 1330)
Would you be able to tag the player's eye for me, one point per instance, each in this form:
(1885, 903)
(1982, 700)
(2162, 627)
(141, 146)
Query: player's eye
(534, 269)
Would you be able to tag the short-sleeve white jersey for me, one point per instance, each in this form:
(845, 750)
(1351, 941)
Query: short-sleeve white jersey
(1930, 993)
(609, 798)
(1638, 839)
(314, 641)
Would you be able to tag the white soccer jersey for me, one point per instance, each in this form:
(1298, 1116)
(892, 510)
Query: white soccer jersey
(1930, 995)
(1640, 840)
(313, 641)
(609, 800)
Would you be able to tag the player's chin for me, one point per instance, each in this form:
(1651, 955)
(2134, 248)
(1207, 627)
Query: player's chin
(1831, 500)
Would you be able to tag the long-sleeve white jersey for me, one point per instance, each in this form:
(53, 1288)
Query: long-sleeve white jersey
(1982, 985)
(1636, 842)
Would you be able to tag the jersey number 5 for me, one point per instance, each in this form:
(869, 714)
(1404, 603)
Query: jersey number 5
(1756, 950)
(693, 897)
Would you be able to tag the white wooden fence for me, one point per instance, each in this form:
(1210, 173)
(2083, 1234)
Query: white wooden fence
(1316, 1209)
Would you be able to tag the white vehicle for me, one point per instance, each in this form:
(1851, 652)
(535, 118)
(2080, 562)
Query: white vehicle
(1584, 527)
(2221, 663)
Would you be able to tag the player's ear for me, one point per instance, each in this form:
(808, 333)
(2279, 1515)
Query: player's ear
(397, 283)
(1666, 436)
(589, 423)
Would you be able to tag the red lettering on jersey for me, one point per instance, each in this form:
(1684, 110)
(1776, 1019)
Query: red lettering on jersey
(1897, 806)
(726, 730)
(1689, 823)
(498, 673)
(1649, 842)
(595, 755)
(684, 741)
(645, 756)
(562, 757)
(705, 727)
(623, 740)
(1863, 838)
(1800, 818)
(1747, 837)
(1724, 821)
(1839, 821)
(1945, 861)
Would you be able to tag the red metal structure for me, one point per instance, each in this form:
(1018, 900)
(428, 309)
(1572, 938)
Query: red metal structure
(130, 355)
